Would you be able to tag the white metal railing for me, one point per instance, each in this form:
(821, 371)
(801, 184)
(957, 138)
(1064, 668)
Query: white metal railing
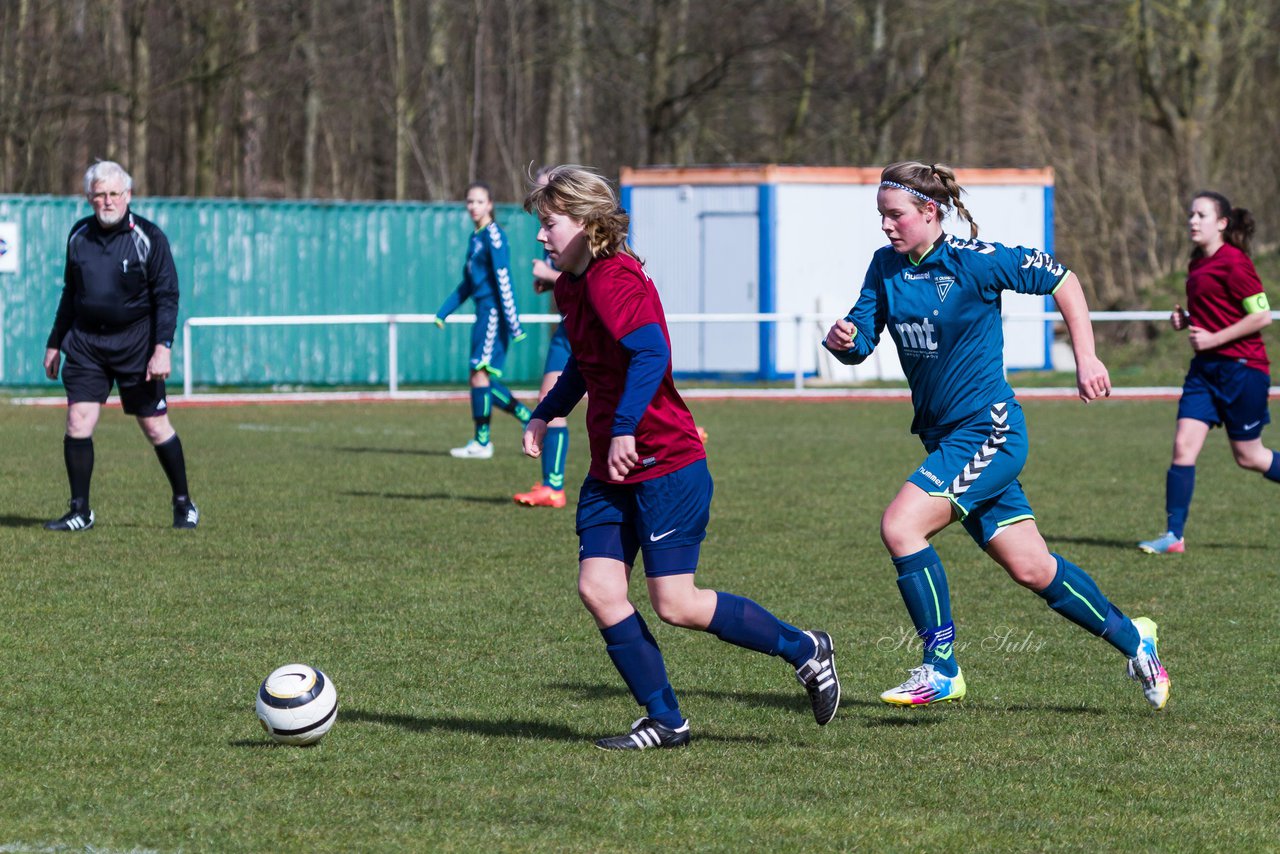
(393, 322)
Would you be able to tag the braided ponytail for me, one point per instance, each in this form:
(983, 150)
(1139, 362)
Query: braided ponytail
(947, 178)
(936, 183)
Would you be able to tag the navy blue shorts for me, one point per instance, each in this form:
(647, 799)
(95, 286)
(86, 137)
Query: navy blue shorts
(488, 342)
(558, 351)
(95, 360)
(665, 519)
(1228, 393)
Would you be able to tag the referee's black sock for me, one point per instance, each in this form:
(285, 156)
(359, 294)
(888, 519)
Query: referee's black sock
(78, 454)
(174, 465)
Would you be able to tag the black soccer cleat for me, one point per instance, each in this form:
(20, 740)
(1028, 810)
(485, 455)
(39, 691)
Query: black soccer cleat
(818, 676)
(646, 733)
(185, 514)
(76, 519)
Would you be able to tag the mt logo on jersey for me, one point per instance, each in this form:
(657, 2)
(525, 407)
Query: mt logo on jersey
(918, 336)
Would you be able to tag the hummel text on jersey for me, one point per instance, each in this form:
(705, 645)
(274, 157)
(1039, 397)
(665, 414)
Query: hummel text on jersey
(933, 477)
(917, 336)
(1042, 259)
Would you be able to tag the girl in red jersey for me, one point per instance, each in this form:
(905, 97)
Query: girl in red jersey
(648, 490)
(1229, 378)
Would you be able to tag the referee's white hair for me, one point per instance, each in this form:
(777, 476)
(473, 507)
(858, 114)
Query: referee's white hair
(105, 170)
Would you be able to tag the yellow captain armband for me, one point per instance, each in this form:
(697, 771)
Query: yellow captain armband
(1256, 303)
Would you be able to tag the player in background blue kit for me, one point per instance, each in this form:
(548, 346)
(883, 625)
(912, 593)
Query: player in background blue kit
(486, 280)
(939, 298)
(549, 492)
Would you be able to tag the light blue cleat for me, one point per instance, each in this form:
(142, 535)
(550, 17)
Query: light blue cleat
(1165, 544)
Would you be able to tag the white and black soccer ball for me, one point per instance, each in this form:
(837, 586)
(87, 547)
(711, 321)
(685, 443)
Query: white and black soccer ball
(297, 704)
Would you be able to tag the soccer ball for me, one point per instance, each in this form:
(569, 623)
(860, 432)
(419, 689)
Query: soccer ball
(297, 704)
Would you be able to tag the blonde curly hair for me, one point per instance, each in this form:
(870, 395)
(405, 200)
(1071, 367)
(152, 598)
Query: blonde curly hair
(584, 195)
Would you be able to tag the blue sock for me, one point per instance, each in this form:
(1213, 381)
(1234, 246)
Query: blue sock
(506, 401)
(743, 623)
(554, 450)
(1273, 473)
(636, 655)
(480, 413)
(1179, 483)
(923, 584)
(1074, 595)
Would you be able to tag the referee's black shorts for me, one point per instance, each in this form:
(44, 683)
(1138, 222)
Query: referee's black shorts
(96, 359)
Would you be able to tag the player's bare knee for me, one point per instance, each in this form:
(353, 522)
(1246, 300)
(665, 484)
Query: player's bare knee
(1251, 459)
(80, 427)
(1033, 573)
(898, 538)
(82, 419)
(677, 613)
(157, 429)
(600, 598)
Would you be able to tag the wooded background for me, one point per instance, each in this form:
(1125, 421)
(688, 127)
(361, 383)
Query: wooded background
(1134, 103)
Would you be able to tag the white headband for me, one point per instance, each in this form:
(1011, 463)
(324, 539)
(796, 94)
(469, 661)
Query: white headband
(913, 191)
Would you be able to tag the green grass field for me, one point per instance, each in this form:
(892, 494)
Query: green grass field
(472, 682)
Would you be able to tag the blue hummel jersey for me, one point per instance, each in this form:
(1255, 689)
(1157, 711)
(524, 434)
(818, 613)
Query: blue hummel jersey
(486, 278)
(943, 314)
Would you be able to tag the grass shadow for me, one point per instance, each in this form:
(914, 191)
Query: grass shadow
(20, 521)
(1060, 710)
(507, 728)
(1132, 544)
(783, 699)
(408, 452)
(779, 700)
(902, 720)
(908, 716)
(432, 496)
(1126, 545)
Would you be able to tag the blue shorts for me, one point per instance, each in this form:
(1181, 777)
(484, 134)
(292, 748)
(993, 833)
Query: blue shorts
(489, 342)
(976, 466)
(558, 351)
(664, 518)
(1226, 392)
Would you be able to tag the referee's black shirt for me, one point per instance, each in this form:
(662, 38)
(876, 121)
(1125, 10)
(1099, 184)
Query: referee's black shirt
(115, 277)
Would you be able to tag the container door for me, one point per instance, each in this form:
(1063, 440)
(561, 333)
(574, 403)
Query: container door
(730, 284)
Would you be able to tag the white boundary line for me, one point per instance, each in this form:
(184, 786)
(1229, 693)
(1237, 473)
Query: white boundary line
(814, 395)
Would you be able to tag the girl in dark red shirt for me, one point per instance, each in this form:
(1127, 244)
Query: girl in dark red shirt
(648, 490)
(1229, 378)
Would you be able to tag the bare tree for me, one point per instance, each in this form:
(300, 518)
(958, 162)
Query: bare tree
(414, 98)
(311, 108)
(138, 94)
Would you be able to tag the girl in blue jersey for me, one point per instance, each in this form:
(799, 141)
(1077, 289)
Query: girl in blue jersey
(648, 490)
(939, 298)
(486, 279)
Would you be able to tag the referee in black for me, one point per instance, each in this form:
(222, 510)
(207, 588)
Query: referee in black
(115, 323)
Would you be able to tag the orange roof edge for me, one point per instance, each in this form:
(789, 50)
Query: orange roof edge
(666, 176)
